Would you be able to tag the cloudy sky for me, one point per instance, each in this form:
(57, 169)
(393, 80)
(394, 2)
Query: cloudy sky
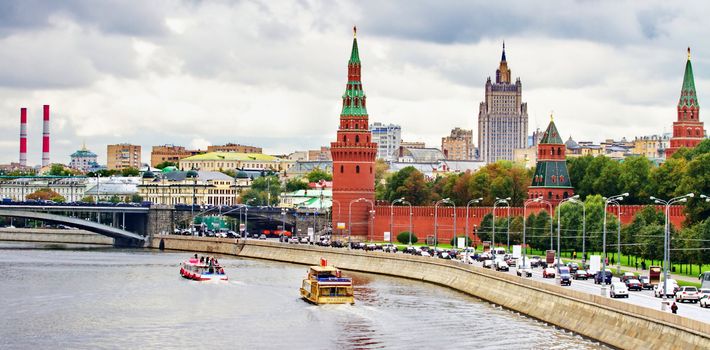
(271, 73)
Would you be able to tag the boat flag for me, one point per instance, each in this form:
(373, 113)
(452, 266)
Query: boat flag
(323, 262)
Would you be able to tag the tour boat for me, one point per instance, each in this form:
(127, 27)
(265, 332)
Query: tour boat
(199, 271)
(324, 285)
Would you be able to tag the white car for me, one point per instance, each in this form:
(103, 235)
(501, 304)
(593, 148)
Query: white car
(548, 272)
(524, 270)
(704, 297)
(618, 290)
(488, 264)
(425, 253)
(687, 293)
(658, 290)
(502, 265)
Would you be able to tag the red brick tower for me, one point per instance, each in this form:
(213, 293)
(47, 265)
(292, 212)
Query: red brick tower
(354, 154)
(551, 180)
(688, 130)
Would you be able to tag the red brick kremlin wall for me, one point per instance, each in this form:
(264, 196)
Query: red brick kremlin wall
(423, 218)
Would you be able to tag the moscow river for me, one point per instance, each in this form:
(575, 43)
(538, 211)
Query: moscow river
(104, 298)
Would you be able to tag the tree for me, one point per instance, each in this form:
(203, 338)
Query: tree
(696, 179)
(88, 199)
(136, 198)
(381, 168)
(486, 228)
(129, 172)
(317, 174)
(46, 194)
(265, 190)
(410, 184)
(577, 168)
(634, 179)
(115, 199)
(295, 184)
(165, 164)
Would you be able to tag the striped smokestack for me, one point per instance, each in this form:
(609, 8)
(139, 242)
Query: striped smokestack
(45, 137)
(23, 136)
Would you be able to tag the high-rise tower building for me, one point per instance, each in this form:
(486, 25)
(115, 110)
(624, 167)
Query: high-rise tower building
(502, 117)
(551, 180)
(354, 156)
(388, 138)
(688, 130)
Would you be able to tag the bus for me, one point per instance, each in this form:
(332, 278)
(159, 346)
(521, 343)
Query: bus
(705, 279)
(654, 275)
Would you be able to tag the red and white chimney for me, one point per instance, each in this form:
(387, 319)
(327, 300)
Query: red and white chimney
(23, 136)
(45, 137)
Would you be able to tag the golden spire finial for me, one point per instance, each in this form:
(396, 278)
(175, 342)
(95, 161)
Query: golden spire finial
(688, 53)
(354, 32)
(552, 118)
(83, 146)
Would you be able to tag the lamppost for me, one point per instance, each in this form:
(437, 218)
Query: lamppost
(246, 217)
(350, 216)
(410, 220)
(473, 201)
(398, 200)
(667, 239)
(618, 237)
(618, 197)
(525, 217)
(436, 219)
(283, 221)
(98, 182)
(559, 211)
(495, 204)
(335, 201)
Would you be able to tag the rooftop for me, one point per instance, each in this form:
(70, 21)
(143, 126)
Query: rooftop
(232, 156)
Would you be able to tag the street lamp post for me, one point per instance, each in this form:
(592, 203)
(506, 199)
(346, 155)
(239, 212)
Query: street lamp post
(335, 201)
(399, 200)
(473, 201)
(436, 220)
(495, 204)
(283, 221)
(618, 237)
(559, 212)
(667, 240)
(410, 221)
(246, 217)
(525, 206)
(350, 216)
(603, 272)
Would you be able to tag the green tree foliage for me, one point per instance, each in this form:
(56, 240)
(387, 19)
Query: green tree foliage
(403, 237)
(295, 184)
(410, 184)
(697, 180)
(129, 172)
(104, 173)
(115, 199)
(381, 168)
(635, 179)
(264, 190)
(165, 164)
(136, 198)
(317, 174)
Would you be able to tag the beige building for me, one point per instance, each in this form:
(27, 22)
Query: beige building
(122, 156)
(170, 153)
(233, 147)
(216, 161)
(319, 154)
(526, 156)
(458, 145)
(411, 144)
(178, 187)
(652, 146)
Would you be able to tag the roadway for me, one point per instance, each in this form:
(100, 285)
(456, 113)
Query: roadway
(643, 298)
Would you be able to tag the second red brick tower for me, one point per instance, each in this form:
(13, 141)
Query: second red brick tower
(354, 157)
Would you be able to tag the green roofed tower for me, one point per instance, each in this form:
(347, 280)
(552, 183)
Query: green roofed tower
(688, 130)
(551, 180)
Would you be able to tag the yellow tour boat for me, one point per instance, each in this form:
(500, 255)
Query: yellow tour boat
(324, 285)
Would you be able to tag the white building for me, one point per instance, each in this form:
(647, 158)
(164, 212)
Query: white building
(388, 138)
(83, 160)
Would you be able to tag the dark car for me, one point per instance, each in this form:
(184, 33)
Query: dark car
(573, 267)
(646, 282)
(580, 275)
(599, 278)
(633, 284)
(565, 275)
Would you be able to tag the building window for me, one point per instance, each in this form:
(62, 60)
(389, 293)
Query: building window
(357, 138)
(357, 169)
(342, 168)
(345, 138)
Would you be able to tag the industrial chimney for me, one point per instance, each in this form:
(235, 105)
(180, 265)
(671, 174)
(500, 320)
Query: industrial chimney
(23, 136)
(45, 137)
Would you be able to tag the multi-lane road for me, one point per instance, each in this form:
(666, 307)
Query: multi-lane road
(642, 298)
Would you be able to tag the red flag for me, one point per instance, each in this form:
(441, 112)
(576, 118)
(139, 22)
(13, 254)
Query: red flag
(323, 262)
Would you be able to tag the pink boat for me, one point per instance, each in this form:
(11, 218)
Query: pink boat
(195, 270)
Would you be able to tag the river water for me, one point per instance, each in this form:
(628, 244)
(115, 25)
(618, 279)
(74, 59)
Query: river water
(103, 298)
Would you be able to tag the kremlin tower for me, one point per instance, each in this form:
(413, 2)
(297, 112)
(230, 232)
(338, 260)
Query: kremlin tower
(688, 130)
(354, 156)
(551, 180)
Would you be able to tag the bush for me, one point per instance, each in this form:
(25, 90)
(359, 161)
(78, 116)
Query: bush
(453, 241)
(403, 237)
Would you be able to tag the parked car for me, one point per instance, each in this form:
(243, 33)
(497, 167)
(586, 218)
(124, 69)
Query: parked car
(633, 284)
(488, 264)
(565, 276)
(524, 270)
(426, 253)
(601, 277)
(687, 294)
(580, 275)
(645, 282)
(618, 290)
(704, 297)
(484, 257)
(535, 261)
(548, 272)
(628, 276)
(511, 261)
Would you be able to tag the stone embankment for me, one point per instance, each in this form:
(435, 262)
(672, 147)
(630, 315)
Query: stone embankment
(53, 236)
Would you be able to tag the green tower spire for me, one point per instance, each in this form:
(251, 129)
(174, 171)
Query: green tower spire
(688, 96)
(354, 54)
(354, 96)
(551, 135)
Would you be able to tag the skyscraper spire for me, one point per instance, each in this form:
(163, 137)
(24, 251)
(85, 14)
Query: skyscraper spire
(502, 58)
